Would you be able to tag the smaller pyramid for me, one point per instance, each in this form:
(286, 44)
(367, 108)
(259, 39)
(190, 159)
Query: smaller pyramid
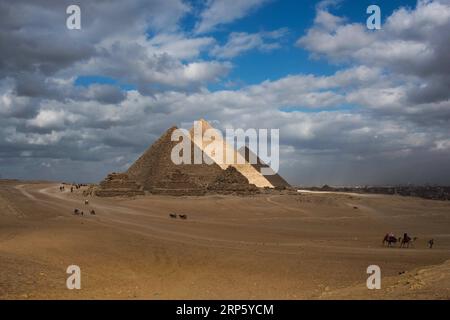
(119, 184)
(231, 181)
(274, 179)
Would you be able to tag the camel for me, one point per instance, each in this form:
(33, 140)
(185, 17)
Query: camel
(183, 216)
(390, 239)
(173, 215)
(86, 202)
(407, 241)
(92, 212)
(76, 212)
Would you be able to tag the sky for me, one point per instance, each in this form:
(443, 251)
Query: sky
(354, 106)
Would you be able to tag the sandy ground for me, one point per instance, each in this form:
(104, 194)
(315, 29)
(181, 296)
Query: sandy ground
(305, 246)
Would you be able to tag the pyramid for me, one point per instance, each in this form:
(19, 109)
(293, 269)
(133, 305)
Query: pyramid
(274, 179)
(119, 184)
(155, 172)
(251, 171)
(230, 181)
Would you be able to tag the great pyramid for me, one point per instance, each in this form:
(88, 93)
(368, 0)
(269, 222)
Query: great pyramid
(155, 172)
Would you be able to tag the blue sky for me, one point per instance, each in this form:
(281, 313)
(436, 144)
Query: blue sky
(297, 16)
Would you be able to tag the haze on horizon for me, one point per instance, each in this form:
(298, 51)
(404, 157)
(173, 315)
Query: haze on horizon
(354, 106)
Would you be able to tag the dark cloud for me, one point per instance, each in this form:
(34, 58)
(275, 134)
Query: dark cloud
(104, 93)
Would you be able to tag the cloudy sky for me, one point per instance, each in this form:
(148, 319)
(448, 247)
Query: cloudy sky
(354, 106)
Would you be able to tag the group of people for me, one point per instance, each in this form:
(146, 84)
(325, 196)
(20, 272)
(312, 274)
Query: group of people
(76, 186)
(405, 241)
(77, 212)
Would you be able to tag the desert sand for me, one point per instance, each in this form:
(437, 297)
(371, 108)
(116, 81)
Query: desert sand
(266, 246)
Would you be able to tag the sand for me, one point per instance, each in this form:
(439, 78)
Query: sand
(298, 246)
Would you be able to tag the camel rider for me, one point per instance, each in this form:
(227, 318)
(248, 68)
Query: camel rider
(406, 238)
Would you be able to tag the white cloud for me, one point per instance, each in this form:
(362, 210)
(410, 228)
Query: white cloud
(327, 21)
(52, 119)
(442, 145)
(240, 42)
(339, 44)
(219, 12)
(152, 64)
(179, 46)
(201, 71)
(12, 105)
(412, 42)
(95, 130)
(421, 22)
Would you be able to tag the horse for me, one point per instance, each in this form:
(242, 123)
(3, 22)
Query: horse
(76, 212)
(92, 212)
(183, 216)
(390, 239)
(173, 215)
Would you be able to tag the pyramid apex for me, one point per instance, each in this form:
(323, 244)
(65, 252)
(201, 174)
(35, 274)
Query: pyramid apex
(202, 120)
(203, 124)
